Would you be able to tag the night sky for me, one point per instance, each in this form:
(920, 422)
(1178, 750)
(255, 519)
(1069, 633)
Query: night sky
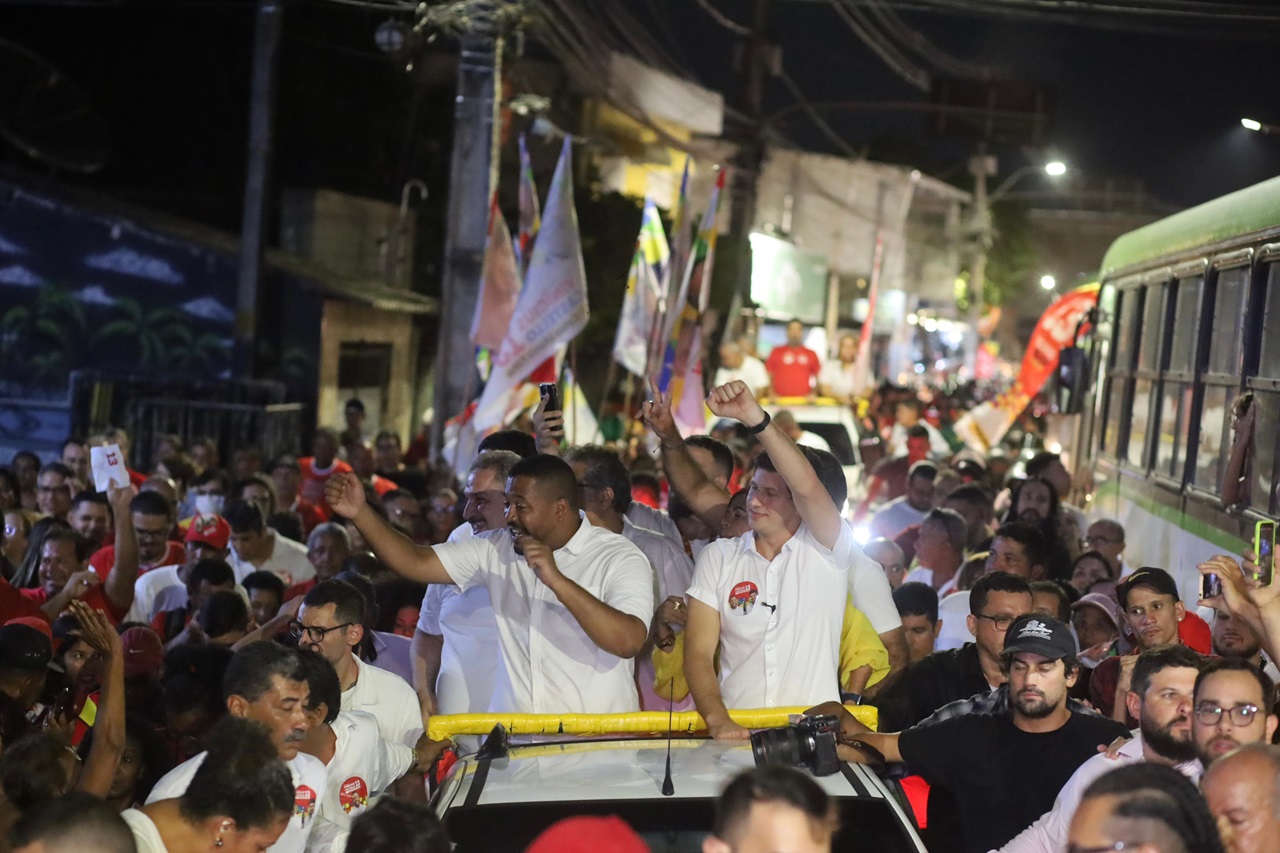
(1163, 108)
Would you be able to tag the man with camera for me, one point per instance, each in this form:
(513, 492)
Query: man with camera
(1003, 770)
(773, 600)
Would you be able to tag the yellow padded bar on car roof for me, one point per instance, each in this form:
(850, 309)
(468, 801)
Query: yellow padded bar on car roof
(641, 722)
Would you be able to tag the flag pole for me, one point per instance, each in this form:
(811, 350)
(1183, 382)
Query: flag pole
(610, 377)
(573, 368)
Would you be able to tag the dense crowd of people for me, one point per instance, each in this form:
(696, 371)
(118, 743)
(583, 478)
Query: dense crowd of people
(244, 655)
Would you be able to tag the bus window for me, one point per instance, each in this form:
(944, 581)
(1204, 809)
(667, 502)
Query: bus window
(1145, 402)
(1152, 327)
(1136, 452)
(1266, 388)
(1221, 378)
(1225, 352)
(1178, 376)
(1121, 374)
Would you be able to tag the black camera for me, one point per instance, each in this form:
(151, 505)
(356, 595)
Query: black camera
(811, 742)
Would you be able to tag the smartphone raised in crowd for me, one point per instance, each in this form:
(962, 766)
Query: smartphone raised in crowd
(1264, 546)
(550, 392)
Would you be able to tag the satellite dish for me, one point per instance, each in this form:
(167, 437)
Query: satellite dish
(48, 117)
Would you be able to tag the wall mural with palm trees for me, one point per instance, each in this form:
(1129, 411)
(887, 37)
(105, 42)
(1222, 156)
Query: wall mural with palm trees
(85, 289)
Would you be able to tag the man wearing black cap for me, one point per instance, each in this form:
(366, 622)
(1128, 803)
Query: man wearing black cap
(1003, 770)
(24, 662)
(1150, 605)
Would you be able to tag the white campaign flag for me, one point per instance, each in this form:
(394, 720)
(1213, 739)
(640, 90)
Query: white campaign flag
(644, 290)
(552, 307)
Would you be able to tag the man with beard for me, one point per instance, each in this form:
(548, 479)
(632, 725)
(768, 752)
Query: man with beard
(1003, 770)
(1234, 638)
(1161, 697)
(1233, 707)
(572, 601)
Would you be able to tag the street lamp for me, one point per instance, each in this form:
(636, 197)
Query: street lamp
(1048, 282)
(1259, 127)
(982, 167)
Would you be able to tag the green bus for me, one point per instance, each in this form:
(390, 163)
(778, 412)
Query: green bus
(1187, 333)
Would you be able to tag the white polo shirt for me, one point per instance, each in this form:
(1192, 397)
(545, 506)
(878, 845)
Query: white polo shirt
(780, 620)
(310, 777)
(549, 664)
(470, 657)
(387, 698)
(288, 561)
(364, 764)
(643, 515)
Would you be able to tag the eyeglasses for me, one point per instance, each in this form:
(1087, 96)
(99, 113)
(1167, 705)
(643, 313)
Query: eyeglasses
(1241, 715)
(1002, 623)
(1106, 848)
(314, 634)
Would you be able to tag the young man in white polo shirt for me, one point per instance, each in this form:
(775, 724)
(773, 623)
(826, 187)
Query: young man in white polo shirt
(362, 764)
(331, 622)
(572, 601)
(773, 600)
(709, 498)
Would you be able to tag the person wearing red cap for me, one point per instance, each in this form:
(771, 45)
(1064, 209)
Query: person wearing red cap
(589, 835)
(165, 588)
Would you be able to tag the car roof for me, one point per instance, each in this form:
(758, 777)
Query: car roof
(622, 770)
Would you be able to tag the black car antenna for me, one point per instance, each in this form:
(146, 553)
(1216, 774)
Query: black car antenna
(668, 787)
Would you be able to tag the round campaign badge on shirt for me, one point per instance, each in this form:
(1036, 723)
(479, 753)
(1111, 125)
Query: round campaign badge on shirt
(354, 794)
(743, 597)
(304, 803)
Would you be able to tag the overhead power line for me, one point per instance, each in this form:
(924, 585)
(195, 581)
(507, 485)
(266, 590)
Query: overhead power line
(857, 20)
(732, 26)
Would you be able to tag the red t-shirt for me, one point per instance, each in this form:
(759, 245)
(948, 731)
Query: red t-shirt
(792, 371)
(15, 605)
(313, 480)
(104, 559)
(95, 598)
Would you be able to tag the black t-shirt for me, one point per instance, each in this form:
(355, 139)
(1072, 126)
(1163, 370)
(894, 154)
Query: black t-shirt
(1001, 777)
(939, 679)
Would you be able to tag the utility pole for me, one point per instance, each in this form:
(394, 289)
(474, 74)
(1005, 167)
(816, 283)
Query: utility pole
(471, 173)
(981, 166)
(757, 60)
(262, 103)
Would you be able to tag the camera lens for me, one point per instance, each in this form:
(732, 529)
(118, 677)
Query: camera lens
(777, 746)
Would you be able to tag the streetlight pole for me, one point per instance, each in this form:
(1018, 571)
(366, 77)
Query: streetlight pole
(983, 166)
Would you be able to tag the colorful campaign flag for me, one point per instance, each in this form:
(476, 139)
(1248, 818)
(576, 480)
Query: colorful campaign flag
(552, 307)
(668, 309)
(681, 363)
(644, 292)
(499, 284)
(530, 218)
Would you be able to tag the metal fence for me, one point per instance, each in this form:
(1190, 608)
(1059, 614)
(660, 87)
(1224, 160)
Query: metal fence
(233, 413)
(273, 429)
